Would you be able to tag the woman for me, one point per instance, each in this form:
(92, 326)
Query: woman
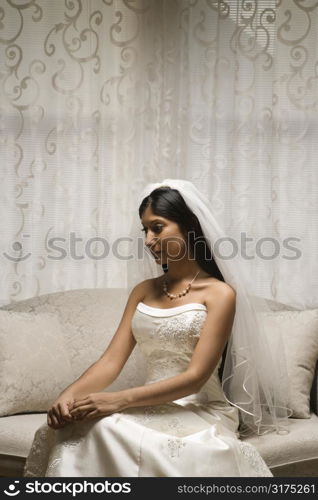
(180, 423)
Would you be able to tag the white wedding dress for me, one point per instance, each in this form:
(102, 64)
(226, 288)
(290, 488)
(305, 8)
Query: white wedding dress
(195, 436)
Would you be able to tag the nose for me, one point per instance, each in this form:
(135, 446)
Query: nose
(151, 240)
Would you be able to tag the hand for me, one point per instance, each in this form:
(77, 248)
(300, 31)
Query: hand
(59, 413)
(97, 404)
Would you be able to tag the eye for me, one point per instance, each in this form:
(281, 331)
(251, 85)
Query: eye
(155, 228)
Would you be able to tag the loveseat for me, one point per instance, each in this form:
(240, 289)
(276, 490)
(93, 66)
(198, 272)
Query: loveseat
(47, 341)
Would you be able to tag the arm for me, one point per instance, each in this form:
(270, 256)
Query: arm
(97, 376)
(106, 369)
(214, 335)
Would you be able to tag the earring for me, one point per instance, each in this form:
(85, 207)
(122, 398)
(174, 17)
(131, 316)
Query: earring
(165, 267)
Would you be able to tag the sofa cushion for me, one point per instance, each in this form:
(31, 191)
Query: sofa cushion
(301, 443)
(299, 334)
(34, 366)
(17, 432)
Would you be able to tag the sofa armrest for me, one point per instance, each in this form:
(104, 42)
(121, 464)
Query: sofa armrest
(314, 392)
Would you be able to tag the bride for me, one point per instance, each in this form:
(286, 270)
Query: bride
(180, 422)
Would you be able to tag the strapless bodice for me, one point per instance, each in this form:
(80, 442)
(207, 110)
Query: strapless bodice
(170, 311)
(167, 338)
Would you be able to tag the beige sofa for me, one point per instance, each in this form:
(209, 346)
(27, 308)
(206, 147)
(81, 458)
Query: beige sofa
(88, 319)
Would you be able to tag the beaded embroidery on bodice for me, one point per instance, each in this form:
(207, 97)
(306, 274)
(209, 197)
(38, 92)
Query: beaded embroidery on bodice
(167, 339)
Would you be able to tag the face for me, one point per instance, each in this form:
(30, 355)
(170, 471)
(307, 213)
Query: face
(163, 237)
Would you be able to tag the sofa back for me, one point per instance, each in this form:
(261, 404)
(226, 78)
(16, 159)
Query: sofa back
(89, 319)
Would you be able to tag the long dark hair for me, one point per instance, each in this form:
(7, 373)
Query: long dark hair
(168, 203)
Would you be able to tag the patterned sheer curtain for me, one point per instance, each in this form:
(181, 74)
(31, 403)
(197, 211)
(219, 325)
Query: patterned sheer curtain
(100, 97)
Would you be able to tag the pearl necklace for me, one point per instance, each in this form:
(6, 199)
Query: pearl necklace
(184, 292)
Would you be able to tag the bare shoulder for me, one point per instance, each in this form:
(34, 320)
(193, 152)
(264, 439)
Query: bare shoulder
(221, 287)
(139, 291)
(220, 293)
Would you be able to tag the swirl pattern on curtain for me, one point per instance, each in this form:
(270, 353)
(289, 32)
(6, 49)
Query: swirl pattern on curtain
(98, 98)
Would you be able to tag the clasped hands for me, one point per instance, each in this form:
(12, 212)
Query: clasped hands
(92, 406)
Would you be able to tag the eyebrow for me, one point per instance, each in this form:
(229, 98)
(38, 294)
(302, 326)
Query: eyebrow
(154, 220)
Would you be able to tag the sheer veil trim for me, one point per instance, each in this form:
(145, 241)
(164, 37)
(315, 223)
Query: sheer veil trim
(255, 377)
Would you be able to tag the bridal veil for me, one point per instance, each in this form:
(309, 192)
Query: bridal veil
(254, 377)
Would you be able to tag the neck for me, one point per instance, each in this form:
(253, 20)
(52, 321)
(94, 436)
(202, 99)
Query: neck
(182, 271)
